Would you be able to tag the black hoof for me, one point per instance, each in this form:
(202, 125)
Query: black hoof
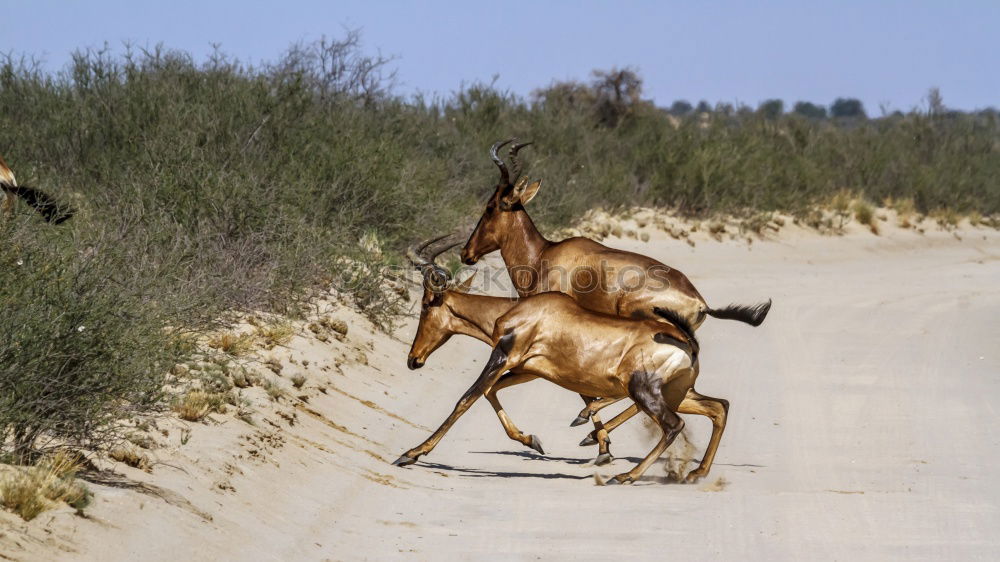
(603, 458)
(580, 420)
(404, 461)
(591, 440)
(536, 444)
(620, 479)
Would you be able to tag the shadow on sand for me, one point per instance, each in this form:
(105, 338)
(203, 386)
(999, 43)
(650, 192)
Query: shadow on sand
(533, 456)
(485, 473)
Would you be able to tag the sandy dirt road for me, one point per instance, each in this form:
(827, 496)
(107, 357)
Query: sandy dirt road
(862, 427)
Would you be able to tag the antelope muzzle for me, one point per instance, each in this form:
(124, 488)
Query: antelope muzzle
(469, 258)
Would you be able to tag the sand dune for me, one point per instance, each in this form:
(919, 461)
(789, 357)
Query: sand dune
(862, 427)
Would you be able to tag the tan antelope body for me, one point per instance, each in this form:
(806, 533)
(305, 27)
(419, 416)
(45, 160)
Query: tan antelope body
(446, 311)
(36, 198)
(453, 311)
(552, 337)
(601, 279)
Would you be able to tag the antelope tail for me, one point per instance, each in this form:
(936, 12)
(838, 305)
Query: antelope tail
(753, 315)
(677, 320)
(42, 202)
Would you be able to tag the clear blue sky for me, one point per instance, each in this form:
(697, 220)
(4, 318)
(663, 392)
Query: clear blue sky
(883, 52)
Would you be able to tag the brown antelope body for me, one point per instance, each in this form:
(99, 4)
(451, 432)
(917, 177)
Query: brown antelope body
(36, 198)
(550, 336)
(601, 279)
(452, 311)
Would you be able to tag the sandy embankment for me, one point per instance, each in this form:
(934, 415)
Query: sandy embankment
(861, 427)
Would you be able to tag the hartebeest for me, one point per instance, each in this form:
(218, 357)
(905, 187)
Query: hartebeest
(449, 310)
(36, 198)
(550, 336)
(601, 279)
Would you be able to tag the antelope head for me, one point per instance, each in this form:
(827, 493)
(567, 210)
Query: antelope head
(511, 194)
(432, 330)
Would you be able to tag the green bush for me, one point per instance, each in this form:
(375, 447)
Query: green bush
(84, 339)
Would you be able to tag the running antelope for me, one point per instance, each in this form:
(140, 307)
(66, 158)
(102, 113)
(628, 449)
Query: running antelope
(448, 309)
(36, 198)
(552, 337)
(601, 279)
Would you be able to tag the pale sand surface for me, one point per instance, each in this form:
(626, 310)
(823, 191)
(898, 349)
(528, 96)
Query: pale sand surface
(863, 426)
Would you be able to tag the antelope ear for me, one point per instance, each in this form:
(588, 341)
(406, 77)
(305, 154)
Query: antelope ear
(530, 191)
(466, 286)
(522, 192)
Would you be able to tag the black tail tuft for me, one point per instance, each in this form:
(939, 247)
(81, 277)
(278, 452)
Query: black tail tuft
(753, 315)
(682, 325)
(46, 206)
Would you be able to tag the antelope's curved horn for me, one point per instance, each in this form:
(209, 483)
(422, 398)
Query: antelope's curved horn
(512, 156)
(415, 252)
(436, 278)
(504, 173)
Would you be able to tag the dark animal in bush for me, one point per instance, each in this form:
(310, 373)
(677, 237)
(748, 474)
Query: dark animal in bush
(46, 206)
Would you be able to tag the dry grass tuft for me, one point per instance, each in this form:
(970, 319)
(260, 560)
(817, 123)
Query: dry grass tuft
(141, 440)
(240, 377)
(905, 210)
(197, 404)
(334, 324)
(232, 343)
(864, 213)
(841, 201)
(132, 457)
(274, 390)
(946, 217)
(275, 333)
(717, 228)
(193, 406)
(30, 491)
(298, 380)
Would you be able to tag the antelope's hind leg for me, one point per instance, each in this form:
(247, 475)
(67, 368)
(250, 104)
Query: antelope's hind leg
(647, 390)
(600, 433)
(512, 431)
(716, 409)
(496, 365)
(591, 408)
(614, 422)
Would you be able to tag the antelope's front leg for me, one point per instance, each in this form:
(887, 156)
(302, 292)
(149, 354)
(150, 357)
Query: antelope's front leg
(491, 373)
(511, 379)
